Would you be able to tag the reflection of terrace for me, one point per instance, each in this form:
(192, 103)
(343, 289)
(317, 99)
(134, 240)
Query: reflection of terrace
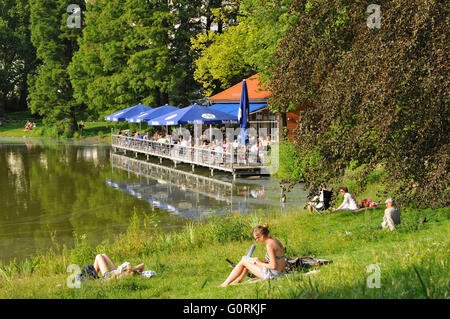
(213, 188)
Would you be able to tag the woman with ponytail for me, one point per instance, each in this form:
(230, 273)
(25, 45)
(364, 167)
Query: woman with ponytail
(271, 268)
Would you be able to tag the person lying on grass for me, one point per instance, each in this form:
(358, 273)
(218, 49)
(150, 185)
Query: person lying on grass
(103, 262)
(273, 267)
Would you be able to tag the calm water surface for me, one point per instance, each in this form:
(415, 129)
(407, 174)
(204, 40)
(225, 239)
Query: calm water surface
(51, 189)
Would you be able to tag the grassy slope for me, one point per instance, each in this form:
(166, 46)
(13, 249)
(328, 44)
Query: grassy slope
(98, 130)
(414, 261)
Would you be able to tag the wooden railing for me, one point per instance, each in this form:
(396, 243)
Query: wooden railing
(214, 158)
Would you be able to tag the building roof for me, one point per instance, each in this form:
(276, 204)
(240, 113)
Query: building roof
(256, 93)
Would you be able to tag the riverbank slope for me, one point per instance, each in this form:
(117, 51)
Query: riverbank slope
(412, 262)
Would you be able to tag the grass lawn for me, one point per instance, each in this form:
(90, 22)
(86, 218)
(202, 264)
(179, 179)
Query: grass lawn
(15, 127)
(413, 261)
(98, 130)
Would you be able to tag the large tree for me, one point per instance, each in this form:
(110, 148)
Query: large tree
(135, 51)
(17, 54)
(375, 95)
(246, 46)
(51, 93)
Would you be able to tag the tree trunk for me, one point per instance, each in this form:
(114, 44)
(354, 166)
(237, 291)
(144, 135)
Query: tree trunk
(23, 94)
(2, 107)
(73, 125)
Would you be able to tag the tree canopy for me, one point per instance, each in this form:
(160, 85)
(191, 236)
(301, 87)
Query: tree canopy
(375, 96)
(135, 51)
(17, 54)
(243, 48)
(51, 92)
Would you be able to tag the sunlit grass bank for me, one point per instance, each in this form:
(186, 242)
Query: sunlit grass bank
(413, 261)
(15, 127)
(100, 130)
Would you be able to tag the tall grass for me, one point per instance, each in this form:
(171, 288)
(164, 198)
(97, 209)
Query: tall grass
(414, 259)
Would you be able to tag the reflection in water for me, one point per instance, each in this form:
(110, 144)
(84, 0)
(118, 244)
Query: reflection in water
(49, 188)
(53, 188)
(186, 194)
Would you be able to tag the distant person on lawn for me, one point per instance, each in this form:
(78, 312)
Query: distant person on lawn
(392, 215)
(349, 202)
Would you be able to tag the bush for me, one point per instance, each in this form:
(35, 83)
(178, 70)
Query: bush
(82, 254)
(227, 228)
(326, 61)
(290, 163)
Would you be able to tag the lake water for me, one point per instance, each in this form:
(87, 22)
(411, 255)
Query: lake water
(51, 189)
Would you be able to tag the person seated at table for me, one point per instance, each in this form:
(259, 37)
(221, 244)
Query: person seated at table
(253, 153)
(349, 202)
(161, 140)
(183, 142)
(235, 144)
(218, 150)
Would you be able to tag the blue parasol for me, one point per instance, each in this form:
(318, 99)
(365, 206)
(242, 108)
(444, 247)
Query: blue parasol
(194, 114)
(153, 113)
(243, 115)
(122, 116)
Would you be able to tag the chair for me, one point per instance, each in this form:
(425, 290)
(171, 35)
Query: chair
(323, 202)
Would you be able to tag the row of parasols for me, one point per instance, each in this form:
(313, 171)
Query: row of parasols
(193, 114)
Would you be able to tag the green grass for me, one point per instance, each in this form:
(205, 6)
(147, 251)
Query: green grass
(413, 260)
(16, 125)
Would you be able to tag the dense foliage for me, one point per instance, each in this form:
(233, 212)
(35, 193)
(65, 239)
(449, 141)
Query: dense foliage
(135, 51)
(17, 54)
(375, 95)
(243, 49)
(51, 92)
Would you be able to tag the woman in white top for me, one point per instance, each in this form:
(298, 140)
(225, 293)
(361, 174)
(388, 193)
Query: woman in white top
(349, 202)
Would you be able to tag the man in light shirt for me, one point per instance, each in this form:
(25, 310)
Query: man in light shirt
(392, 215)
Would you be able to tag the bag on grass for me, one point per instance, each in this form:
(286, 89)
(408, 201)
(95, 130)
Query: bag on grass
(87, 272)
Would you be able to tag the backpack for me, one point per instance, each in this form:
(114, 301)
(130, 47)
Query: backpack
(305, 262)
(87, 272)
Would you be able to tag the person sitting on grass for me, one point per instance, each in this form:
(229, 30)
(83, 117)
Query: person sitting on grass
(103, 263)
(349, 202)
(273, 267)
(392, 216)
(28, 126)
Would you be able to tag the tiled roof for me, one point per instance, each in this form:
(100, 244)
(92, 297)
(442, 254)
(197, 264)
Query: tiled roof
(255, 91)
